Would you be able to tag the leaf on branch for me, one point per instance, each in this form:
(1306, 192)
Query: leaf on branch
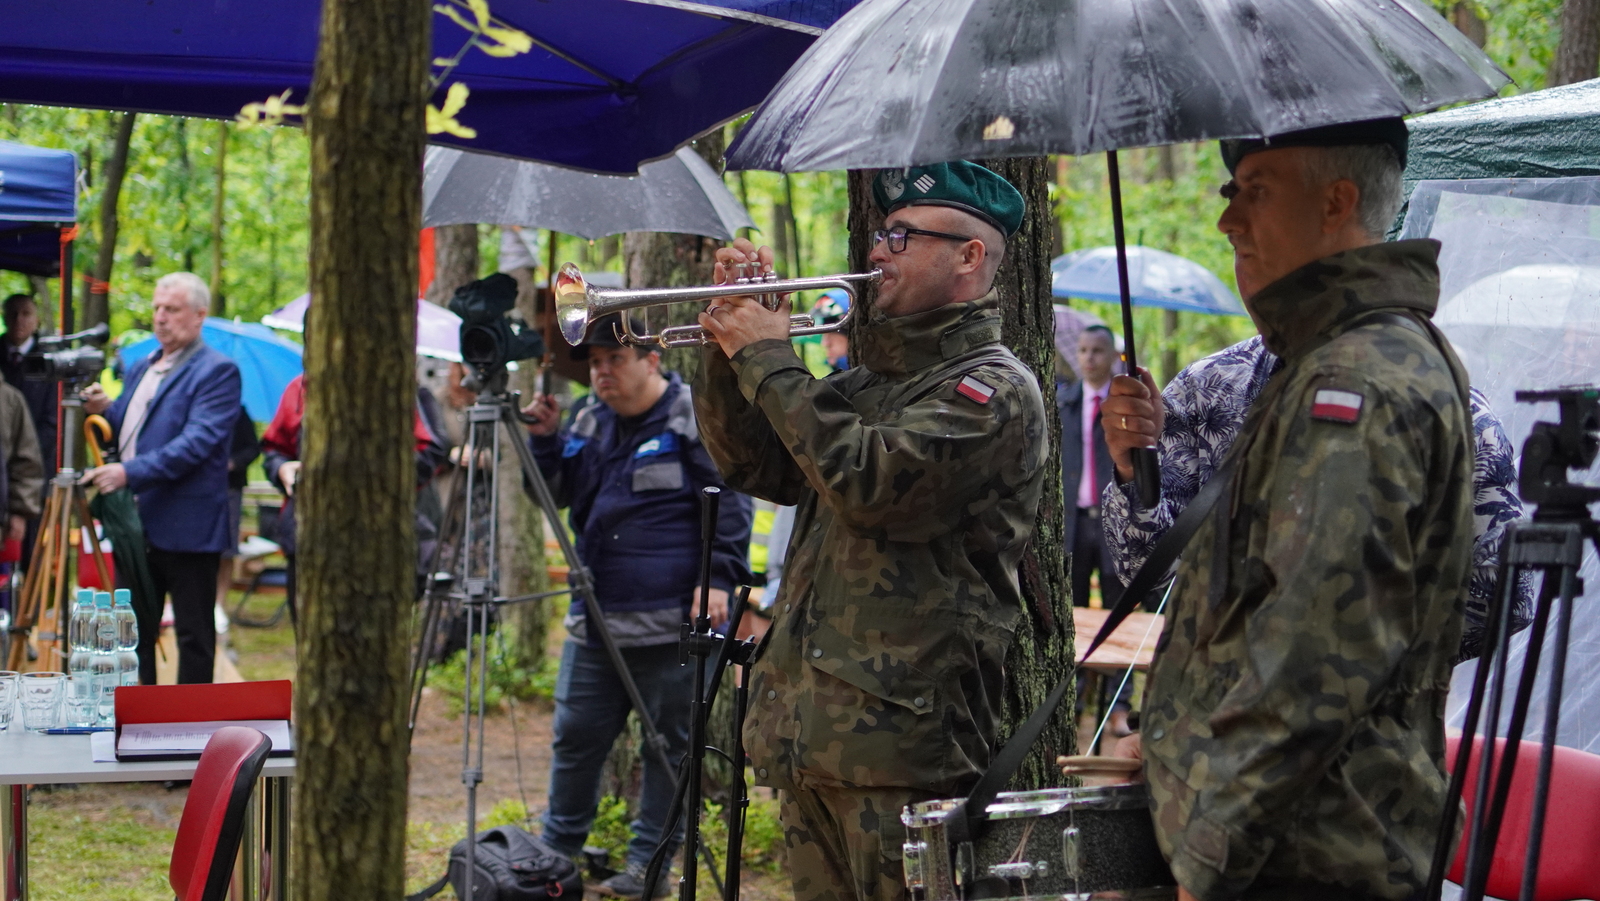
(442, 120)
(269, 112)
(493, 39)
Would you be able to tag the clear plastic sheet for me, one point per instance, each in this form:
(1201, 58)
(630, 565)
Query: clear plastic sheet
(905, 82)
(1520, 300)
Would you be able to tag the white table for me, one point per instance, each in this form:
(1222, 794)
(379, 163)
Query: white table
(28, 758)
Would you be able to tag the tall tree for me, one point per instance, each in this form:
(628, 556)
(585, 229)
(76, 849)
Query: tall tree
(96, 307)
(219, 304)
(1042, 651)
(1578, 52)
(358, 544)
(455, 261)
(668, 260)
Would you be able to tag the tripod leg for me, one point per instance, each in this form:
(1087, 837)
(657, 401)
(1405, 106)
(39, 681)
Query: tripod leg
(583, 587)
(433, 601)
(86, 519)
(1480, 853)
(1497, 627)
(1552, 724)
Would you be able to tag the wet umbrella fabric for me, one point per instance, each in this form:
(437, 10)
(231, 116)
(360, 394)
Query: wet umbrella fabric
(1155, 279)
(438, 329)
(907, 82)
(681, 193)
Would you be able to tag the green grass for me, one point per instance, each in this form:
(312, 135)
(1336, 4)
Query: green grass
(117, 853)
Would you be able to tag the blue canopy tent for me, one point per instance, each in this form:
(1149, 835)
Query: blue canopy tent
(38, 198)
(608, 84)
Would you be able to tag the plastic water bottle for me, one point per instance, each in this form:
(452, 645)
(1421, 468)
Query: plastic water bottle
(127, 637)
(103, 662)
(80, 633)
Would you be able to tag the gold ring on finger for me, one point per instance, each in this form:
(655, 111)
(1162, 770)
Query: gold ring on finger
(1124, 423)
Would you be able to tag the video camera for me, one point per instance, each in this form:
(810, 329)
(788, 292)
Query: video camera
(1553, 448)
(489, 338)
(54, 359)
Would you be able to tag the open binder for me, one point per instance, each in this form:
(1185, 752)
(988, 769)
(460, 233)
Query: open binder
(173, 722)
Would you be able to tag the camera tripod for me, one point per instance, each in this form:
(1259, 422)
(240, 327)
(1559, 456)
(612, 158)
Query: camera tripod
(43, 600)
(1552, 543)
(473, 584)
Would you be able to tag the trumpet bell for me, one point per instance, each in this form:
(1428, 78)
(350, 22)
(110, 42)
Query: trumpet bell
(572, 303)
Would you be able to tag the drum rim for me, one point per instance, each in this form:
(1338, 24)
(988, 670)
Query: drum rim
(1038, 802)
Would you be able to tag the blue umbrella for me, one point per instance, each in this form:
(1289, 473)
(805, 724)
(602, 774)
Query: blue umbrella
(1155, 279)
(267, 363)
(608, 83)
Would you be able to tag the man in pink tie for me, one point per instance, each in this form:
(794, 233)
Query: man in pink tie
(1086, 464)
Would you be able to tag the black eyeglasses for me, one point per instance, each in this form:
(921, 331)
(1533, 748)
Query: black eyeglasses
(897, 237)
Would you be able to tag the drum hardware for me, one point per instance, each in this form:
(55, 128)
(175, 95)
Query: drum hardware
(579, 304)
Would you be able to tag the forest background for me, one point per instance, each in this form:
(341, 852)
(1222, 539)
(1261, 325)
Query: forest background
(232, 203)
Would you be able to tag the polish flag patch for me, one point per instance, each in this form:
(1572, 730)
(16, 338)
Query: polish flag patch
(1336, 406)
(974, 390)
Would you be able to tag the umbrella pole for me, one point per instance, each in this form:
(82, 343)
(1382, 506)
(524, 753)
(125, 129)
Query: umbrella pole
(1146, 465)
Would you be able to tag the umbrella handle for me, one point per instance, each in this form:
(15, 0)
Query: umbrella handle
(96, 434)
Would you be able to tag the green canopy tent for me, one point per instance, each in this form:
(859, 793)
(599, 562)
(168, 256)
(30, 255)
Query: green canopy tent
(1554, 133)
(1511, 190)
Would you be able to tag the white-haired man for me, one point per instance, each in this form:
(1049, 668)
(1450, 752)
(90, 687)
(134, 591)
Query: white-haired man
(173, 424)
(1293, 731)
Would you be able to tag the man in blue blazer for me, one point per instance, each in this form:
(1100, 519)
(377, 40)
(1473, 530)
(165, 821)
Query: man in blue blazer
(174, 422)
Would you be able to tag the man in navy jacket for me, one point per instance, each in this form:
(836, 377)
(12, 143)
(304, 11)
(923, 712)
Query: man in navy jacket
(630, 467)
(173, 423)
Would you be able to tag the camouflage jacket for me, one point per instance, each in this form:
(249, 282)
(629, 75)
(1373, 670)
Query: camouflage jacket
(917, 476)
(1294, 716)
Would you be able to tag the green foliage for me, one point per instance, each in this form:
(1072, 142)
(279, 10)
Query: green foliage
(610, 829)
(167, 200)
(508, 676)
(1177, 215)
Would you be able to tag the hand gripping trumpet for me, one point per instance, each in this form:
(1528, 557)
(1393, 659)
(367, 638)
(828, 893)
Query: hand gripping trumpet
(578, 303)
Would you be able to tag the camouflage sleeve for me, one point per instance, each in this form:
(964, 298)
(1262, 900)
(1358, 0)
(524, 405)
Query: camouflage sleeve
(941, 460)
(1341, 620)
(1495, 504)
(738, 436)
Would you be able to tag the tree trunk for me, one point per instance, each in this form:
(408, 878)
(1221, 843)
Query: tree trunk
(96, 307)
(219, 304)
(1464, 16)
(1043, 650)
(1578, 53)
(670, 260)
(521, 526)
(357, 538)
(455, 261)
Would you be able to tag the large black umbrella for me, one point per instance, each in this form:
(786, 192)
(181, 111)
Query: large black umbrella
(899, 83)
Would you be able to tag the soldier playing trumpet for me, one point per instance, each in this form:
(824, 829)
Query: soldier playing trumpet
(917, 475)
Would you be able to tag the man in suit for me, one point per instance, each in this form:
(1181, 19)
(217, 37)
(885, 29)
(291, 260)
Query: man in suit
(1086, 465)
(21, 316)
(173, 424)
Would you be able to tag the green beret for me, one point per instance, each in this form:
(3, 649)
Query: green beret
(1391, 131)
(965, 186)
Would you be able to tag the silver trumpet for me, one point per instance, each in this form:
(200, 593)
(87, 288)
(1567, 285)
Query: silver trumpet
(579, 303)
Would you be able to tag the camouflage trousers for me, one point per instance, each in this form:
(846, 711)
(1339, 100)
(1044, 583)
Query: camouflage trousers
(844, 844)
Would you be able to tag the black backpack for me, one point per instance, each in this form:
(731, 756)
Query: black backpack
(510, 865)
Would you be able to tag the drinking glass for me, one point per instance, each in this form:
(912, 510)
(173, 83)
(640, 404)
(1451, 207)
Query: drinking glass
(8, 698)
(82, 700)
(41, 700)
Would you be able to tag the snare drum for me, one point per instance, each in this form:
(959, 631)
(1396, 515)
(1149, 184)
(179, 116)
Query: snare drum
(1095, 842)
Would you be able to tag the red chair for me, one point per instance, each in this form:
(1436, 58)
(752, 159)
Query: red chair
(1567, 870)
(213, 816)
